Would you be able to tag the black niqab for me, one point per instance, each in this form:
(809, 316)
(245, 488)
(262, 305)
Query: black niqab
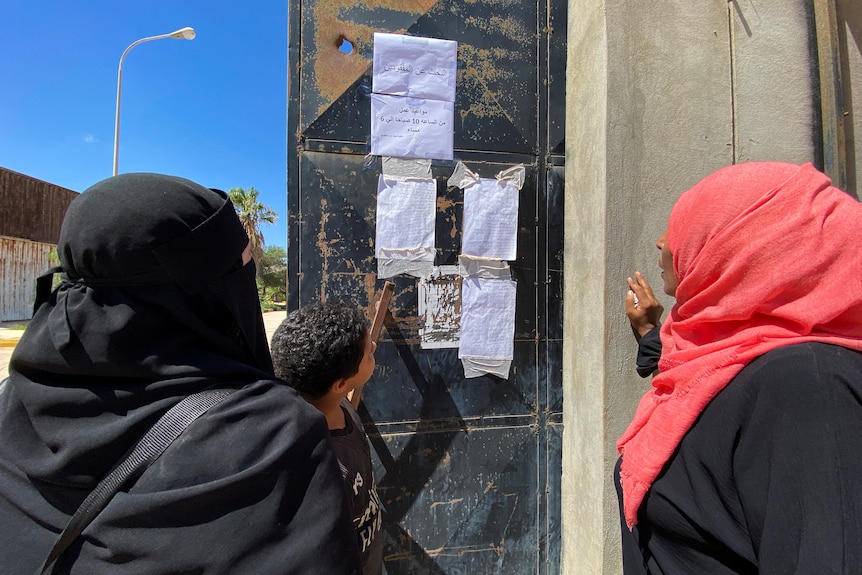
(155, 305)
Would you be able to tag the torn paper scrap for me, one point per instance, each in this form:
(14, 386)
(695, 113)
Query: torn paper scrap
(414, 66)
(487, 320)
(411, 127)
(440, 308)
(490, 220)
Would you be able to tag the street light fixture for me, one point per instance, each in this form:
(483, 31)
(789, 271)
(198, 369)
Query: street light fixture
(184, 33)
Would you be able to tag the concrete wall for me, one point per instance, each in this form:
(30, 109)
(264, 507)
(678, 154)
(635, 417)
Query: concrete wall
(659, 95)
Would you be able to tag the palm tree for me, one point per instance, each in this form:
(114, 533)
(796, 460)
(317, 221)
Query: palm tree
(252, 213)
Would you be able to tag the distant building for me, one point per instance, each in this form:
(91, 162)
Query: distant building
(31, 213)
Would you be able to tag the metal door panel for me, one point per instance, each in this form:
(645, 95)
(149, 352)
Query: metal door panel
(427, 388)
(334, 228)
(468, 469)
(496, 100)
(555, 60)
(468, 498)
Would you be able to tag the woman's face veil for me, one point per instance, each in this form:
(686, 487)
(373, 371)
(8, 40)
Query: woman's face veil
(143, 229)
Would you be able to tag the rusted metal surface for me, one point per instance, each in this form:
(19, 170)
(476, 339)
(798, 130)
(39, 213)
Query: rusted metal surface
(831, 92)
(468, 469)
(21, 262)
(498, 80)
(31, 209)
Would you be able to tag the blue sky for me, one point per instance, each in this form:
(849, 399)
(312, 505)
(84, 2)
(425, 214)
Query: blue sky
(212, 109)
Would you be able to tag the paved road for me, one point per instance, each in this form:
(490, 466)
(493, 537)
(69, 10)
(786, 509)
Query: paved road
(5, 354)
(271, 320)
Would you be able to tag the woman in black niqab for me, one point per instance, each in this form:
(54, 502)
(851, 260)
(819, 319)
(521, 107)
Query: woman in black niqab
(157, 302)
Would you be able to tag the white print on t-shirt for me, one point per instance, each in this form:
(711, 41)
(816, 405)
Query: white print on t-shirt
(370, 522)
(357, 483)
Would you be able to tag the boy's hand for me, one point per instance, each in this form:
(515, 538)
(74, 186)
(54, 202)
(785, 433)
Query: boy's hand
(381, 308)
(642, 308)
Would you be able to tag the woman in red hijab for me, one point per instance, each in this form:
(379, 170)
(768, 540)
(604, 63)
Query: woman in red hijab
(746, 454)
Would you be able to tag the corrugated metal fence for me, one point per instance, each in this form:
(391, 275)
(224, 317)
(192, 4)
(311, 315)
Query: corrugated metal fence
(21, 262)
(31, 213)
(32, 209)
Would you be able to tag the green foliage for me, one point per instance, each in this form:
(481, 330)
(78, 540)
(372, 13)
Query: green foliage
(54, 261)
(272, 278)
(252, 214)
(271, 262)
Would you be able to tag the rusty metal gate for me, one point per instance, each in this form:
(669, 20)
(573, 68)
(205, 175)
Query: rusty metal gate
(468, 470)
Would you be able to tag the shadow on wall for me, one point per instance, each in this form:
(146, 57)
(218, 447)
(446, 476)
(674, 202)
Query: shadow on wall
(407, 475)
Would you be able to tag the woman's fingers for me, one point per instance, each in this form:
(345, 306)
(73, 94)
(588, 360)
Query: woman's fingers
(642, 308)
(643, 285)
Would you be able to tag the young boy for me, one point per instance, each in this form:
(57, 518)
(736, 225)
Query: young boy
(325, 351)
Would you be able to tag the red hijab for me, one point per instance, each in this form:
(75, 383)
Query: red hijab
(767, 255)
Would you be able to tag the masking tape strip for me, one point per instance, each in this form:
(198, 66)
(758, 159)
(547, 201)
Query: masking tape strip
(406, 167)
(473, 267)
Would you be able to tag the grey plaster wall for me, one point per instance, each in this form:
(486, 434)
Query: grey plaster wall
(659, 95)
(774, 70)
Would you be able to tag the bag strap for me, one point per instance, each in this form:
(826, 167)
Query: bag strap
(146, 451)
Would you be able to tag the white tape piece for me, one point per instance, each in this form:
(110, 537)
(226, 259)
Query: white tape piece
(473, 267)
(479, 366)
(387, 268)
(406, 168)
(462, 176)
(515, 175)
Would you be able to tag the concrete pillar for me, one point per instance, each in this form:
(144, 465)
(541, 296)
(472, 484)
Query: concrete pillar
(659, 95)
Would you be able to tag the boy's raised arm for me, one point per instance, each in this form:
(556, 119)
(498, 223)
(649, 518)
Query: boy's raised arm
(376, 327)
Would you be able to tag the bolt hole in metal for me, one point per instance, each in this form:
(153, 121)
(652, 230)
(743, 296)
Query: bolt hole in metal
(345, 46)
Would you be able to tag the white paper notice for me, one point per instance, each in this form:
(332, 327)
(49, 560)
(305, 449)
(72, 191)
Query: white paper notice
(487, 318)
(406, 218)
(490, 220)
(411, 127)
(414, 67)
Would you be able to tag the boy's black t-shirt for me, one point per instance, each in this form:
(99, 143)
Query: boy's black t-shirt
(354, 458)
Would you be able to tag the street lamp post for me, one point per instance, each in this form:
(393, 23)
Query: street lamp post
(185, 33)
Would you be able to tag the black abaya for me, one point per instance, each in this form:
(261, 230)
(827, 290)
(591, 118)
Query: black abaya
(768, 480)
(156, 305)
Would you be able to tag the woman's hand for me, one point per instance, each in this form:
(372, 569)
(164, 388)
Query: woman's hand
(642, 308)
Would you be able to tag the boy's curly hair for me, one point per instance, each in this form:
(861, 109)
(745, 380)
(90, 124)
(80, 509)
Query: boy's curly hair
(319, 344)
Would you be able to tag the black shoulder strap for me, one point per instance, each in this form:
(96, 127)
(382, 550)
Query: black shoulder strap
(145, 452)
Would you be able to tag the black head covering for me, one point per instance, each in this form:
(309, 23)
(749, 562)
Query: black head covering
(154, 305)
